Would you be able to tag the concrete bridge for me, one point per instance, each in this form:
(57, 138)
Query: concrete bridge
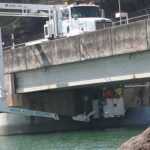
(119, 53)
(56, 74)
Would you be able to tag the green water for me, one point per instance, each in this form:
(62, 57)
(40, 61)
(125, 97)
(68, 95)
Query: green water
(109, 139)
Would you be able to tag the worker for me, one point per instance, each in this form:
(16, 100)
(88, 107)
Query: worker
(108, 93)
(118, 92)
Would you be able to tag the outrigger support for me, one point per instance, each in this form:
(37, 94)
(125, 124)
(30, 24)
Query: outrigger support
(84, 117)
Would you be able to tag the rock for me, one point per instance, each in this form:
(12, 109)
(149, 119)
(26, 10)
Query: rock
(140, 142)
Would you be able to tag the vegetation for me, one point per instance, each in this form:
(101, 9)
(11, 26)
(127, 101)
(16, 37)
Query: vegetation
(111, 6)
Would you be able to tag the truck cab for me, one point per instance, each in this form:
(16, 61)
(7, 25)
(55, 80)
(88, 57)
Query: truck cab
(77, 19)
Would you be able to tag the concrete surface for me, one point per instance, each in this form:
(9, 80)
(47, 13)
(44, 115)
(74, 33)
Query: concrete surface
(112, 41)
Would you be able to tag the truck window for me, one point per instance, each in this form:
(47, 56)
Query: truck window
(85, 11)
(65, 14)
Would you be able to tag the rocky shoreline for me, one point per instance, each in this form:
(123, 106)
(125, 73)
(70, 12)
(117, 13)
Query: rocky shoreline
(139, 142)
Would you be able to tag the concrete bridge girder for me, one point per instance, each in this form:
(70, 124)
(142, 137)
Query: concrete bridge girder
(103, 70)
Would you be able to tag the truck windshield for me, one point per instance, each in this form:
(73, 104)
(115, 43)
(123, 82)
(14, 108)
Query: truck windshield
(85, 12)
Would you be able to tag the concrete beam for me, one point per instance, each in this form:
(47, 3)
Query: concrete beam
(108, 69)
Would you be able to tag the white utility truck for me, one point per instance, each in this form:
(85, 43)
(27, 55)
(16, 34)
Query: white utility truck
(76, 19)
(64, 20)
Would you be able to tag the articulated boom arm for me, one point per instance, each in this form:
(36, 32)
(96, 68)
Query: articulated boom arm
(27, 10)
(27, 112)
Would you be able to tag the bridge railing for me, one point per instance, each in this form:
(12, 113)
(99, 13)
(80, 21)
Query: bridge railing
(134, 16)
(130, 20)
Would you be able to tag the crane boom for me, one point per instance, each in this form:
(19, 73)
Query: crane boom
(33, 10)
(27, 10)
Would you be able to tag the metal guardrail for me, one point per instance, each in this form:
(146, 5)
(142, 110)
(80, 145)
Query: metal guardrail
(139, 12)
(135, 16)
(14, 46)
(130, 20)
(25, 44)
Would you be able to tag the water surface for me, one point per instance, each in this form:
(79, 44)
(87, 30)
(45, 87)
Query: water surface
(108, 139)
